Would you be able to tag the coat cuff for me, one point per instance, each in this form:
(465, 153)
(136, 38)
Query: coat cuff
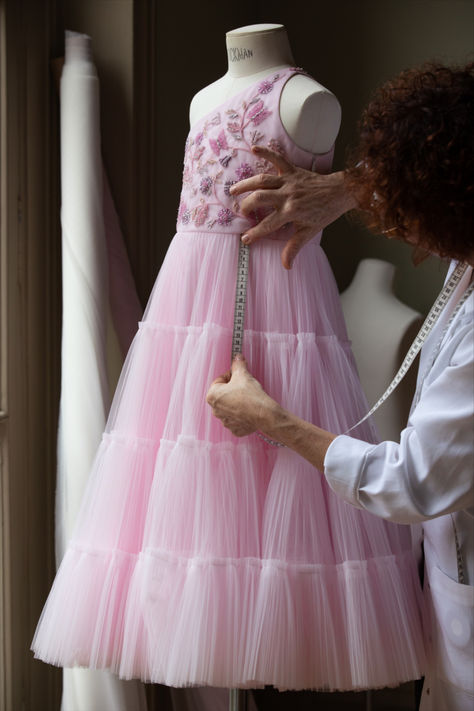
(344, 465)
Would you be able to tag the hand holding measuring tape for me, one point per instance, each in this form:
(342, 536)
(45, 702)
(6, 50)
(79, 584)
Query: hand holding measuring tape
(239, 404)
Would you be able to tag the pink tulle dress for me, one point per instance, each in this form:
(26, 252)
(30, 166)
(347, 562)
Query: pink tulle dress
(202, 559)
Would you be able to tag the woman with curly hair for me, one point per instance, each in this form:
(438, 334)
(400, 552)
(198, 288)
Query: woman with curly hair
(412, 177)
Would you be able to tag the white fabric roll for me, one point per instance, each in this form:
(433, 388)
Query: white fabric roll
(84, 389)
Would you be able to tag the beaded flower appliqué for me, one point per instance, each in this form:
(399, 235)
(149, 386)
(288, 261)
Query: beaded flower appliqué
(219, 154)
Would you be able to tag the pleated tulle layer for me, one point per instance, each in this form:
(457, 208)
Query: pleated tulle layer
(172, 365)
(238, 577)
(242, 622)
(202, 559)
(225, 500)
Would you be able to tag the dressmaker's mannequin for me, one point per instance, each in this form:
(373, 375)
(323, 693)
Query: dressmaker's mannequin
(381, 329)
(310, 113)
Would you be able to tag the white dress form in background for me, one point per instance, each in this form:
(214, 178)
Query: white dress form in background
(381, 329)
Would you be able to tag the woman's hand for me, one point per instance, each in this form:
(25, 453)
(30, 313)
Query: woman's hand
(238, 400)
(310, 201)
(243, 406)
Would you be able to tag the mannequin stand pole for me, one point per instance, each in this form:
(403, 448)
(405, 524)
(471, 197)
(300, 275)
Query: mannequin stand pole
(237, 700)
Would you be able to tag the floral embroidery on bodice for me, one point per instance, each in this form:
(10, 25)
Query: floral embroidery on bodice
(218, 154)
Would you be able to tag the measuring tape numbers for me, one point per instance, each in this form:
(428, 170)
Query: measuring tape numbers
(240, 299)
(239, 314)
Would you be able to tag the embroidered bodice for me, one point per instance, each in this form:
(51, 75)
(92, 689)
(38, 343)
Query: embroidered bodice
(218, 154)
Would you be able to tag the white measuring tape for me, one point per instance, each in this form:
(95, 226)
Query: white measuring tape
(239, 313)
(425, 330)
(240, 299)
(423, 333)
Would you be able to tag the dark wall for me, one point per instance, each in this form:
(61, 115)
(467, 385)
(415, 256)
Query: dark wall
(190, 53)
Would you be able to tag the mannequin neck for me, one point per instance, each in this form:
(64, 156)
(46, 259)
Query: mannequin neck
(374, 274)
(255, 48)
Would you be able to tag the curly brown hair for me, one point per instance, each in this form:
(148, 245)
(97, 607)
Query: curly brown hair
(413, 170)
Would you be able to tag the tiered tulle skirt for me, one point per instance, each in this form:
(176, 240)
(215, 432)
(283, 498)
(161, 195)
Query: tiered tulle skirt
(203, 559)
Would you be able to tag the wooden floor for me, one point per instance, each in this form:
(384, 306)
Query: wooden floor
(400, 699)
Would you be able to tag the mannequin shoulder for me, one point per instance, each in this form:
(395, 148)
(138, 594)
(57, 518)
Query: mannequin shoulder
(310, 114)
(370, 302)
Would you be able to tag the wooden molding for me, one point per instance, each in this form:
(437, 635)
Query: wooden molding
(30, 343)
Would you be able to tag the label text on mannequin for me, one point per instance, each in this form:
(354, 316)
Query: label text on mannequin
(237, 54)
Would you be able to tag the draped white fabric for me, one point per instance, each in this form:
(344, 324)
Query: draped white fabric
(84, 388)
(125, 307)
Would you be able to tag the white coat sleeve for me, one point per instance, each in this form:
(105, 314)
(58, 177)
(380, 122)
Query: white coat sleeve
(430, 471)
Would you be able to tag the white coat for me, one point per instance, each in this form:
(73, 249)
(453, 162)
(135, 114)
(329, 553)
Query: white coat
(428, 477)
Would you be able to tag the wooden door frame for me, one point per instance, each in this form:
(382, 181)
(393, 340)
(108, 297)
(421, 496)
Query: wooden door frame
(30, 343)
